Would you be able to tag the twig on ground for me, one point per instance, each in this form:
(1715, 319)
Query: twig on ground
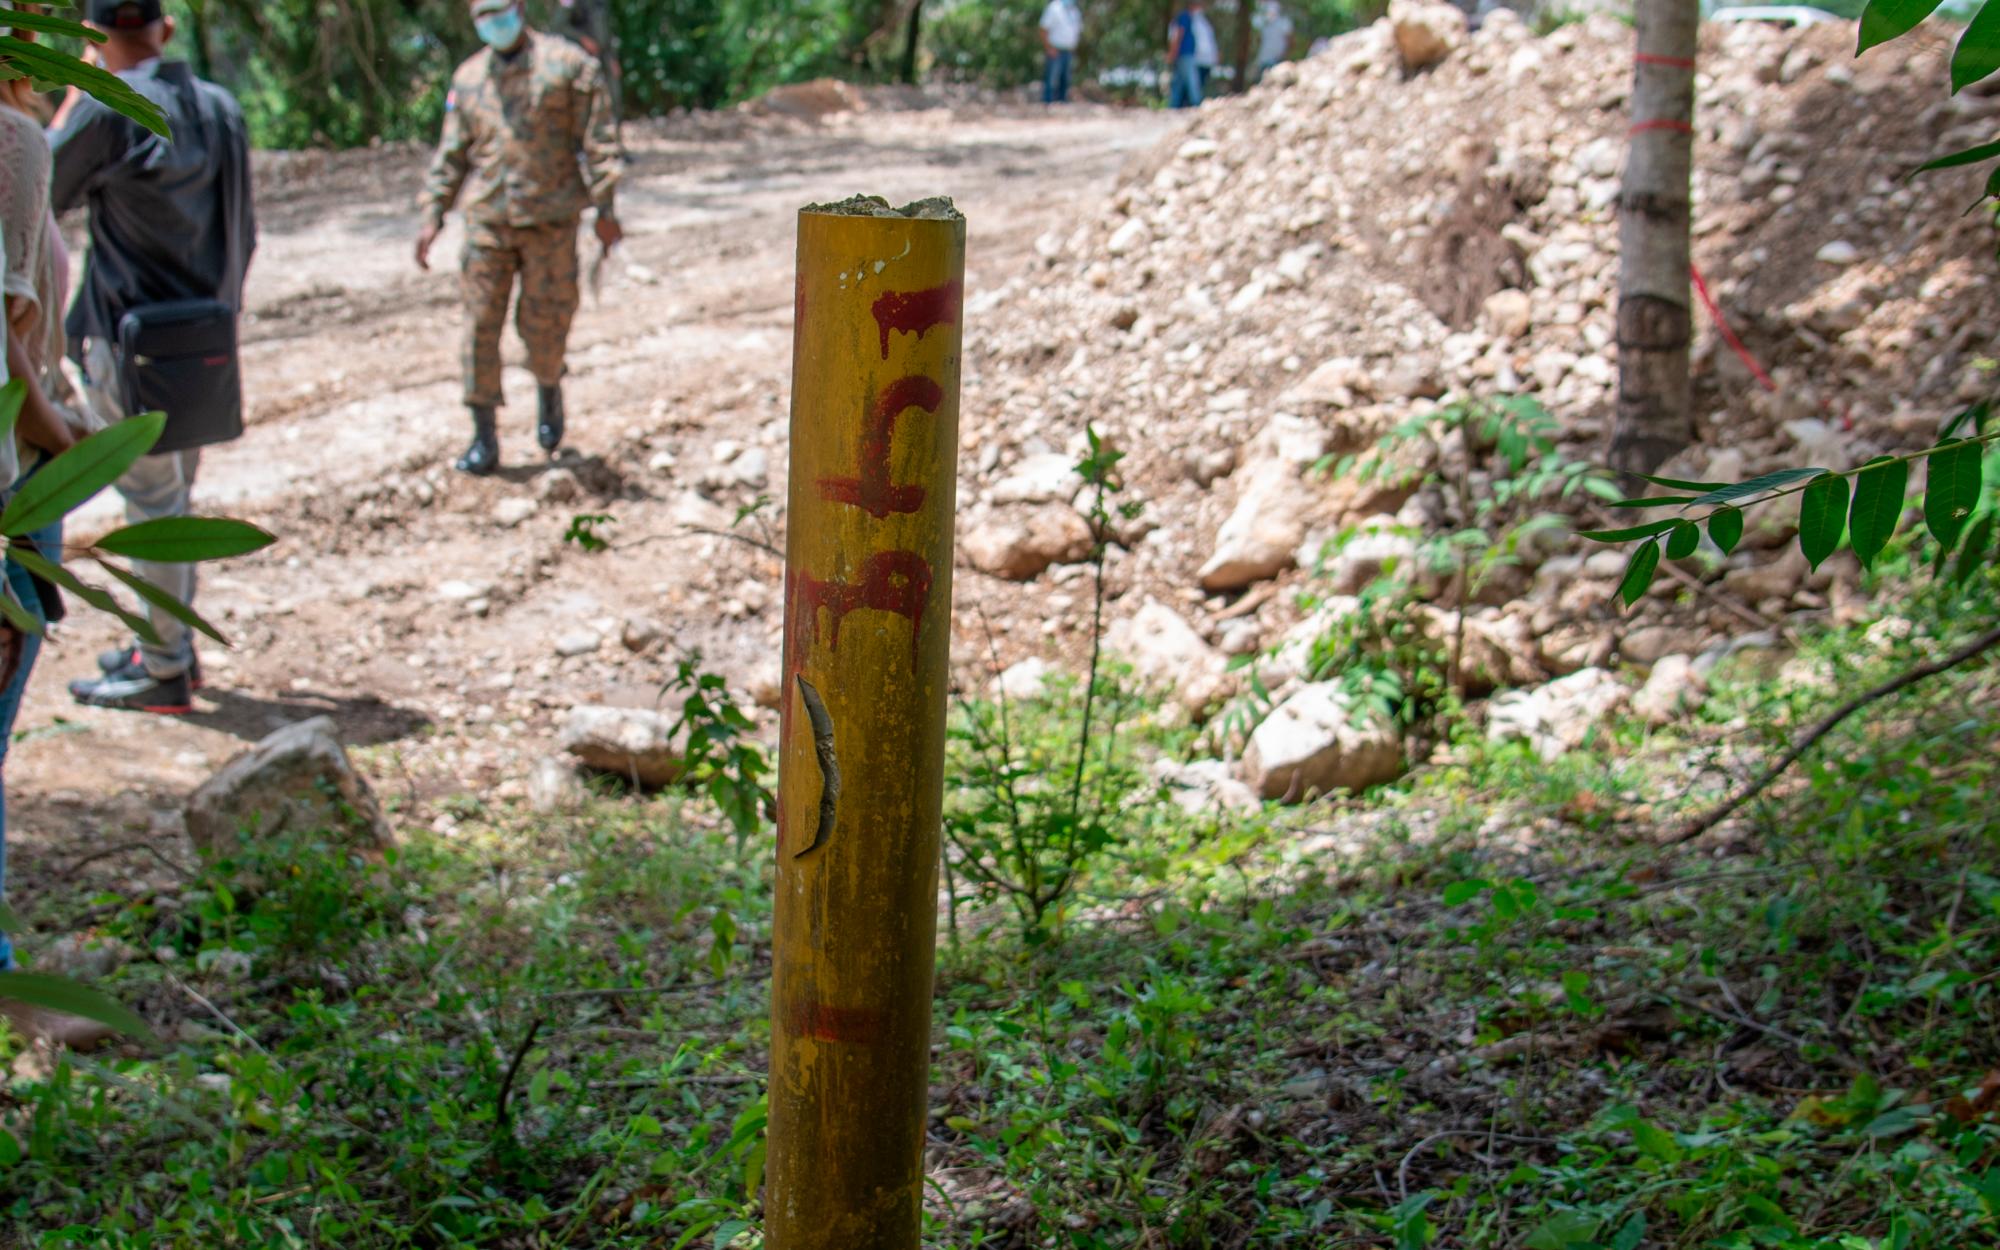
(1403, 1168)
(685, 530)
(1798, 1043)
(217, 1012)
(1715, 816)
(501, 1114)
(78, 864)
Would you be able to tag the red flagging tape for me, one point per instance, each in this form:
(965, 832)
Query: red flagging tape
(1672, 62)
(1728, 335)
(1661, 123)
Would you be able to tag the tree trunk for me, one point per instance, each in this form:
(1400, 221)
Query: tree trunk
(1655, 416)
(909, 74)
(1245, 35)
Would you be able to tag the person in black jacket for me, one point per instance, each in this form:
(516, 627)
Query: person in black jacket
(170, 220)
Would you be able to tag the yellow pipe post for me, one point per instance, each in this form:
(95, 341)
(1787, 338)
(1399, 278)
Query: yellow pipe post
(861, 757)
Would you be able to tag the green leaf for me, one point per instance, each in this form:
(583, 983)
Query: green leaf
(729, 1232)
(49, 571)
(1952, 492)
(1655, 1142)
(1657, 501)
(1632, 1235)
(1562, 1230)
(9, 922)
(1725, 528)
(1884, 20)
(1682, 542)
(1639, 573)
(182, 539)
(1822, 517)
(1978, 51)
(73, 477)
(1459, 892)
(1964, 156)
(1647, 530)
(1973, 553)
(22, 19)
(1976, 414)
(62, 994)
(18, 615)
(49, 65)
(12, 396)
(163, 601)
(1674, 483)
(1878, 505)
(1758, 485)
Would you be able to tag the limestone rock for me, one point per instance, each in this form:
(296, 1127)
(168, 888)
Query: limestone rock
(298, 780)
(1650, 644)
(1316, 742)
(1426, 31)
(1023, 680)
(513, 510)
(1199, 786)
(1263, 533)
(1671, 688)
(1017, 546)
(1164, 650)
(1509, 313)
(1559, 716)
(553, 786)
(635, 743)
(1046, 478)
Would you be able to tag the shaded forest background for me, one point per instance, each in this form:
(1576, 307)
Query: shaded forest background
(346, 72)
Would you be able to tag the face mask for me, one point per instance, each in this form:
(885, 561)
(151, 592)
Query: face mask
(499, 31)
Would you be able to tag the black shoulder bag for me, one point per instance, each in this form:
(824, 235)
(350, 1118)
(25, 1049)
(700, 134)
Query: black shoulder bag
(179, 357)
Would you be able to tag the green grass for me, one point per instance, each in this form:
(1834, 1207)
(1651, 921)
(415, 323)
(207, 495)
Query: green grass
(1484, 1010)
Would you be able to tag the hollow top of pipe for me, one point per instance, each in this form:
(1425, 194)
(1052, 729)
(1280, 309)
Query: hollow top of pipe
(936, 208)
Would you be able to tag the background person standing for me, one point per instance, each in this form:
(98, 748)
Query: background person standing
(1062, 30)
(171, 225)
(530, 142)
(1184, 72)
(1274, 36)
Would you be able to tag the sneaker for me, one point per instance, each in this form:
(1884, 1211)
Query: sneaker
(121, 657)
(131, 686)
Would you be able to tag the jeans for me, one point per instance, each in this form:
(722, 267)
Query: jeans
(49, 543)
(1055, 77)
(154, 487)
(1185, 90)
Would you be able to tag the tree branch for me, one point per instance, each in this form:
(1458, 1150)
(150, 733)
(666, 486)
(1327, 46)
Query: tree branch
(1971, 650)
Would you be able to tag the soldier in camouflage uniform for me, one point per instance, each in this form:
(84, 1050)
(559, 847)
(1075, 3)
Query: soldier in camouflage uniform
(530, 141)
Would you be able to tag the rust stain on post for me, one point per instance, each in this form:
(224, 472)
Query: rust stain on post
(874, 442)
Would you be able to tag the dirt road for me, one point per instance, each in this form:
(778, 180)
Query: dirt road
(443, 621)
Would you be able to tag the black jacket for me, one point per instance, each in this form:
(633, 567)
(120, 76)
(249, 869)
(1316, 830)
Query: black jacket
(169, 219)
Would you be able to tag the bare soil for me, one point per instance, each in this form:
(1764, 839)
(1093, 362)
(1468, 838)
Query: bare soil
(352, 366)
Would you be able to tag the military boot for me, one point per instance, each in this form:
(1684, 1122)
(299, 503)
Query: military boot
(483, 456)
(549, 425)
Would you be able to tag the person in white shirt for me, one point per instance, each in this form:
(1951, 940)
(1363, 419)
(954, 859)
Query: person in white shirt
(1274, 35)
(1062, 30)
(1207, 51)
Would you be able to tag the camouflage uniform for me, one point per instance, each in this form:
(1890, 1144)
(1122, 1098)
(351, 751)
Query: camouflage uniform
(530, 142)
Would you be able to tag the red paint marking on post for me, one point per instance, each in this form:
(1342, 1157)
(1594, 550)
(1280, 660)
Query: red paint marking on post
(914, 312)
(872, 490)
(1661, 123)
(823, 1022)
(891, 581)
(1671, 62)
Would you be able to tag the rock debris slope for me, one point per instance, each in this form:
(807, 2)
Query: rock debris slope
(1356, 241)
